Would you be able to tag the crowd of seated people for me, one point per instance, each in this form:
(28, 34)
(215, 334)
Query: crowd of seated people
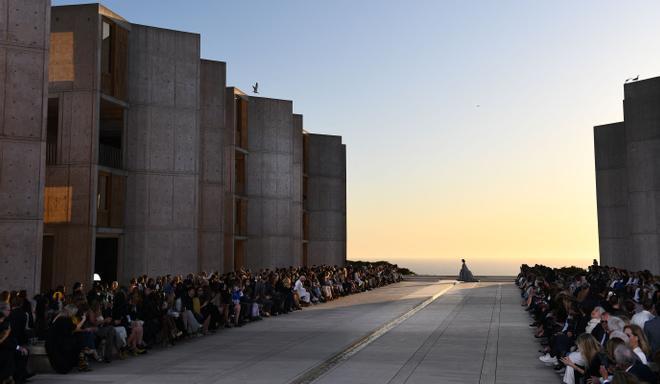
(107, 321)
(599, 325)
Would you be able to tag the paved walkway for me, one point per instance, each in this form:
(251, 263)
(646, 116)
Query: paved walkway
(474, 333)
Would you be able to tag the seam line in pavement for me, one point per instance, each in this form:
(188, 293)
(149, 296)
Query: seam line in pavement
(488, 373)
(316, 372)
(406, 370)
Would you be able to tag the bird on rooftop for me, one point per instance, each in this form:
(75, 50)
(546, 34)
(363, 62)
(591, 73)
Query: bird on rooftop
(255, 87)
(632, 79)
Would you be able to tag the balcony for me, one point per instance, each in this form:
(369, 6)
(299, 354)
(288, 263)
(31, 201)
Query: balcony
(110, 156)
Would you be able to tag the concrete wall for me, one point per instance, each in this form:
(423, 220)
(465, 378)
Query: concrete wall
(71, 182)
(212, 165)
(269, 184)
(162, 153)
(628, 181)
(297, 190)
(326, 203)
(642, 125)
(24, 31)
(612, 194)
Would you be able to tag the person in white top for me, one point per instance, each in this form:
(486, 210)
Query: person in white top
(637, 342)
(299, 288)
(644, 315)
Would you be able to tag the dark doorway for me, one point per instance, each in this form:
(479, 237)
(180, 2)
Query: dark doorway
(105, 262)
(47, 250)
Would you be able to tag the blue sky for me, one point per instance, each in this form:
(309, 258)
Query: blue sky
(468, 123)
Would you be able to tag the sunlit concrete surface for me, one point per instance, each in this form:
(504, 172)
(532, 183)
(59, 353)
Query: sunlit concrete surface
(473, 333)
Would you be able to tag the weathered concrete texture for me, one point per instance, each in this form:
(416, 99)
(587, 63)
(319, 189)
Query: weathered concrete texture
(612, 192)
(628, 181)
(71, 181)
(162, 153)
(212, 165)
(269, 184)
(326, 203)
(24, 31)
(642, 123)
(297, 189)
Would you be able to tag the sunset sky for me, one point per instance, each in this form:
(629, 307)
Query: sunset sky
(468, 124)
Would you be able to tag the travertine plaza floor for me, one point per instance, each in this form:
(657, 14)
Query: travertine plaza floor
(472, 333)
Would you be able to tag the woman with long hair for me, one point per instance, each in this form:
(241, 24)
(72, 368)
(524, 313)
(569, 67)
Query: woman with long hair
(589, 349)
(638, 342)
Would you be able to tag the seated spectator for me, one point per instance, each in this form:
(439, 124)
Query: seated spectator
(588, 364)
(652, 330)
(299, 288)
(8, 346)
(637, 342)
(626, 360)
(62, 348)
(641, 317)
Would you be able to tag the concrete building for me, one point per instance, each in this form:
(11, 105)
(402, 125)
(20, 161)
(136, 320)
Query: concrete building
(628, 181)
(24, 34)
(325, 202)
(152, 164)
(268, 190)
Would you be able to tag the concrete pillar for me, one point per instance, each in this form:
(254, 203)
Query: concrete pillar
(212, 165)
(269, 184)
(24, 31)
(326, 201)
(612, 195)
(162, 153)
(297, 191)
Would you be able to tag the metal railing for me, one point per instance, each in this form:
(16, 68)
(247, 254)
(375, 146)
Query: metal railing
(51, 153)
(110, 156)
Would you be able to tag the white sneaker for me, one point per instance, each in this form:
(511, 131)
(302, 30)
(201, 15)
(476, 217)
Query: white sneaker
(547, 359)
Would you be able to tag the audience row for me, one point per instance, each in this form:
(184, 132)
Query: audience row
(111, 321)
(599, 325)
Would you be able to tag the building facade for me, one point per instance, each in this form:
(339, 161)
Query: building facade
(325, 203)
(24, 35)
(143, 161)
(628, 181)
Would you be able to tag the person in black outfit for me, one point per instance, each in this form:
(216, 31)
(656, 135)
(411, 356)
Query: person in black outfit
(18, 319)
(626, 360)
(61, 344)
(7, 345)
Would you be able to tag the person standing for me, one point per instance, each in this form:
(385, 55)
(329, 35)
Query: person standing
(465, 274)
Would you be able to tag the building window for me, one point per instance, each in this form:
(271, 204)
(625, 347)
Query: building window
(106, 48)
(52, 128)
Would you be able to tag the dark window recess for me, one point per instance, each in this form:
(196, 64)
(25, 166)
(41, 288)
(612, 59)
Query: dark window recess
(240, 224)
(105, 260)
(53, 121)
(240, 173)
(110, 200)
(111, 127)
(114, 55)
(106, 48)
(241, 123)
